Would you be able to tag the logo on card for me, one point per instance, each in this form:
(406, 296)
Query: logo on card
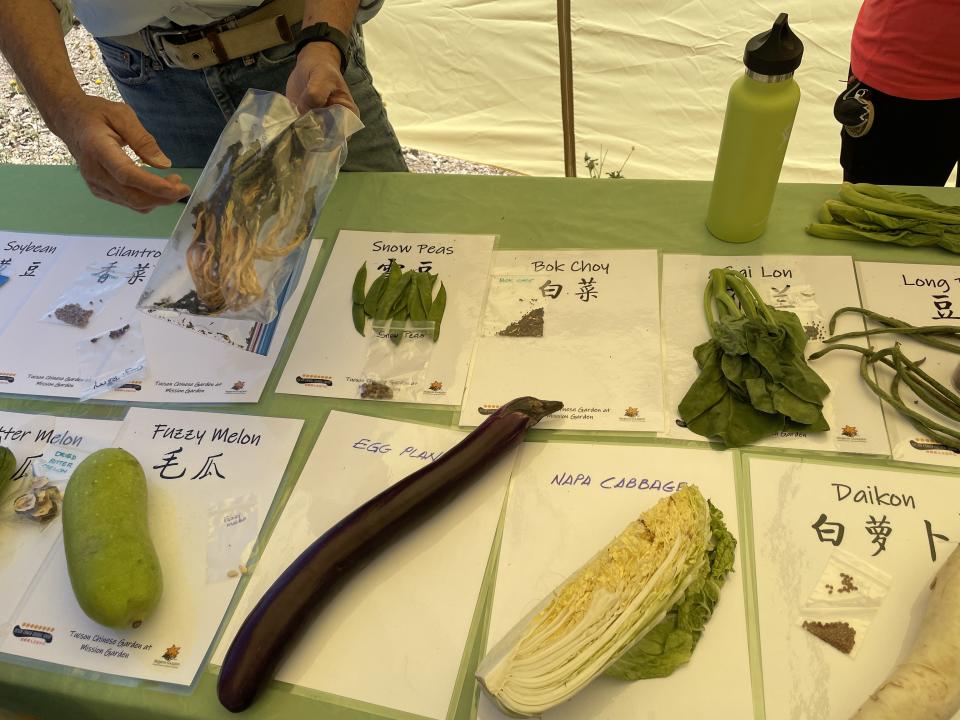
(132, 386)
(925, 444)
(631, 412)
(169, 657)
(849, 433)
(238, 388)
(321, 380)
(36, 634)
(436, 387)
(7, 377)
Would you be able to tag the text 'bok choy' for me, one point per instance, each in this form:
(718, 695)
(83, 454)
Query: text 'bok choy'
(656, 582)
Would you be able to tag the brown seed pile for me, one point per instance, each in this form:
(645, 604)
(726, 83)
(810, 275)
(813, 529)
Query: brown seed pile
(374, 390)
(838, 634)
(73, 314)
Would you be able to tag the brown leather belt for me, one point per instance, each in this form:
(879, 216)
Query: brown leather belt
(239, 36)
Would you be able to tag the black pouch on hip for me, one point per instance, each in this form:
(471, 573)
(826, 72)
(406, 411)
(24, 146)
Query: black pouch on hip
(854, 109)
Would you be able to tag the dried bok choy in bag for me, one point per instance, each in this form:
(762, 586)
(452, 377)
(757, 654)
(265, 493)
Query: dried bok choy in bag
(256, 202)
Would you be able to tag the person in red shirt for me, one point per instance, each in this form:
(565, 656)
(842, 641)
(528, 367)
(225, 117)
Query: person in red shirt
(901, 108)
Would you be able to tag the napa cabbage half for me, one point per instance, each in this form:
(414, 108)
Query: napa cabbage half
(604, 609)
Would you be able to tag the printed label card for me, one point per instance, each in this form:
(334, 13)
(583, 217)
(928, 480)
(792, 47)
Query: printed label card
(210, 480)
(395, 318)
(844, 560)
(921, 295)
(812, 287)
(395, 633)
(580, 326)
(79, 335)
(45, 450)
(566, 502)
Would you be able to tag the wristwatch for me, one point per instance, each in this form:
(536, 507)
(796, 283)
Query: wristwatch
(323, 32)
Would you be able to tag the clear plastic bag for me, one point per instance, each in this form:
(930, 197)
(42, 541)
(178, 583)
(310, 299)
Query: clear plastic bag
(231, 532)
(111, 359)
(396, 362)
(515, 306)
(86, 295)
(256, 202)
(844, 602)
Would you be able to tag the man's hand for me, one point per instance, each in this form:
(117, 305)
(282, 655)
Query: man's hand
(95, 131)
(316, 81)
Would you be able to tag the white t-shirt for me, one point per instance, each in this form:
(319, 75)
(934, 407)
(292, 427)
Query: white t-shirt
(106, 18)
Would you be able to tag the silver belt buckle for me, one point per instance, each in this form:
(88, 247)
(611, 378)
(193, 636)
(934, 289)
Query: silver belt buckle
(154, 39)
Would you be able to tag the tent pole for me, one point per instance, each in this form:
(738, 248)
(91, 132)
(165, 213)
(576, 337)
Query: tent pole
(566, 88)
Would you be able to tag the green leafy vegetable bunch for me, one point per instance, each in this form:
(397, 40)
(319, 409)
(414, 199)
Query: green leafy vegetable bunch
(754, 381)
(870, 212)
(396, 297)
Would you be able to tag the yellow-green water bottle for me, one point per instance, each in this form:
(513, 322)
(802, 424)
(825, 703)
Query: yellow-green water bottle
(761, 108)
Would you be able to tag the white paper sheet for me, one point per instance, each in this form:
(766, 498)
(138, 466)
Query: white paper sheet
(25, 259)
(332, 359)
(794, 505)
(203, 361)
(591, 338)
(555, 523)
(395, 633)
(46, 449)
(813, 287)
(919, 295)
(192, 461)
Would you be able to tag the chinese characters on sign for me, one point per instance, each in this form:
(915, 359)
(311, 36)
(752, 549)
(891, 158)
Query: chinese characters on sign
(880, 530)
(944, 308)
(587, 289)
(169, 464)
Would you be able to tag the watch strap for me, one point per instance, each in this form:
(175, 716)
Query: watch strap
(324, 32)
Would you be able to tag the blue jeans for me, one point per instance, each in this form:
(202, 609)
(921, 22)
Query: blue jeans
(186, 110)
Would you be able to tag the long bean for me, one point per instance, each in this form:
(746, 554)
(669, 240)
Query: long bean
(907, 368)
(892, 325)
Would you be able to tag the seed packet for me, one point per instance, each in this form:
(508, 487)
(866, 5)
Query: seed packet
(86, 295)
(231, 533)
(515, 307)
(844, 602)
(258, 199)
(112, 359)
(396, 361)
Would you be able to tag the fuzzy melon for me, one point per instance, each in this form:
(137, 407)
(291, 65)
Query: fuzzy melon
(113, 566)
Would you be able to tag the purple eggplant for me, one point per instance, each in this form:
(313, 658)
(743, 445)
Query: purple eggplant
(319, 571)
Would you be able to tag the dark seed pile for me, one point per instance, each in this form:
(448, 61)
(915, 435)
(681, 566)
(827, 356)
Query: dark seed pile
(530, 325)
(839, 634)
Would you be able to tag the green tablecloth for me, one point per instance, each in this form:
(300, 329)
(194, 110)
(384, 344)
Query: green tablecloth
(524, 212)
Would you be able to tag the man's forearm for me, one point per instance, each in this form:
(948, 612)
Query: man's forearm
(338, 13)
(32, 42)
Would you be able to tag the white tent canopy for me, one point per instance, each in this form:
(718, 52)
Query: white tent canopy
(480, 80)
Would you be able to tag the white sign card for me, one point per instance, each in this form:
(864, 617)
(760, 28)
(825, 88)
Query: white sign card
(811, 286)
(46, 449)
(395, 633)
(195, 464)
(566, 502)
(25, 259)
(904, 524)
(919, 295)
(163, 357)
(332, 359)
(580, 326)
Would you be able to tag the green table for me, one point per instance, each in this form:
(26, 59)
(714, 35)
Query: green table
(524, 212)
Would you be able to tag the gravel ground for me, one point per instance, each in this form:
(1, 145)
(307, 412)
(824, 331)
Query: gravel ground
(25, 139)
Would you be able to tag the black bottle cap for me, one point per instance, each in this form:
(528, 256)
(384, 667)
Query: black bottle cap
(775, 52)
